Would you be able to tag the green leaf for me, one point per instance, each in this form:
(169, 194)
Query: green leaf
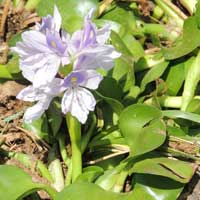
(134, 46)
(86, 191)
(4, 73)
(194, 106)
(124, 65)
(153, 74)
(109, 178)
(18, 184)
(142, 127)
(175, 78)
(187, 43)
(39, 127)
(72, 12)
(181, 114)
(110, 91)
(150, 187)
(90, 174)
(175, 169)
(120, 12)
(13, 65)
(197, 13)
(54, 116)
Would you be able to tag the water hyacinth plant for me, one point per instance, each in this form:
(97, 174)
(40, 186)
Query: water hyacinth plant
(107, 104)
(41, 53)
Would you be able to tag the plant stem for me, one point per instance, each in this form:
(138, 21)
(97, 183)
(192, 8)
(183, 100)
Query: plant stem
(55, 169)
(191, 81)
(68, 178)
(172, 11)
(168, 101)
(74, 128)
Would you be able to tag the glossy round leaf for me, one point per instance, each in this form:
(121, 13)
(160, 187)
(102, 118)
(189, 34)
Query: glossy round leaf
(143, 128)
(175, 169)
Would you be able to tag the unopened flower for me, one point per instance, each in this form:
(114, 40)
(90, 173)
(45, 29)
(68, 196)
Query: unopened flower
(42, 95)
(89, 49)
(42, 54)
(77, 99)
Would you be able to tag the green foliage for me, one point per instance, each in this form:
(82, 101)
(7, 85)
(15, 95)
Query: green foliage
(142, 128)
(19, 184)
(135, 121)
(187, 43)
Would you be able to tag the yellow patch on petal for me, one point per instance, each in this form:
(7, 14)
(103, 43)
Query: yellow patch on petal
(53, 44)
(73, 79)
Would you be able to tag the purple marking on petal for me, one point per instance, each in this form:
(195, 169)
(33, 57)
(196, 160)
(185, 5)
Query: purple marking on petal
(55, 43)
(47, 23)
(75, 79)
(89, 35)
(80, 60)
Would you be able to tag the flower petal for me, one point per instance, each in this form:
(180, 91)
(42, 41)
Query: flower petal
(29, 94)
(54, 88)
(57, 19)
(103, 34)
(78, 101)
(86, 98)
(92, 79)
(37, 110)
(99, 57)
(46, 74)
(35, 41)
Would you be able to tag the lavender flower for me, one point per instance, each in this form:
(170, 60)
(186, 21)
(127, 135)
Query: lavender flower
(42, 95)
(77, 100)
(42, 52)
(88, 49)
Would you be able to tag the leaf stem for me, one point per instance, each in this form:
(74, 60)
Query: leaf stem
(68, 178)
(86, 138)
(63, 151)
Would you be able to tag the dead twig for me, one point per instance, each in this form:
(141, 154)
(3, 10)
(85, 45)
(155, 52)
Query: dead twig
(4, 17)
(103, 6)
(175, 9)
(33, 136)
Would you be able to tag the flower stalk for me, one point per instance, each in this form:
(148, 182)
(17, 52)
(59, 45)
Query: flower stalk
(74, 128)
